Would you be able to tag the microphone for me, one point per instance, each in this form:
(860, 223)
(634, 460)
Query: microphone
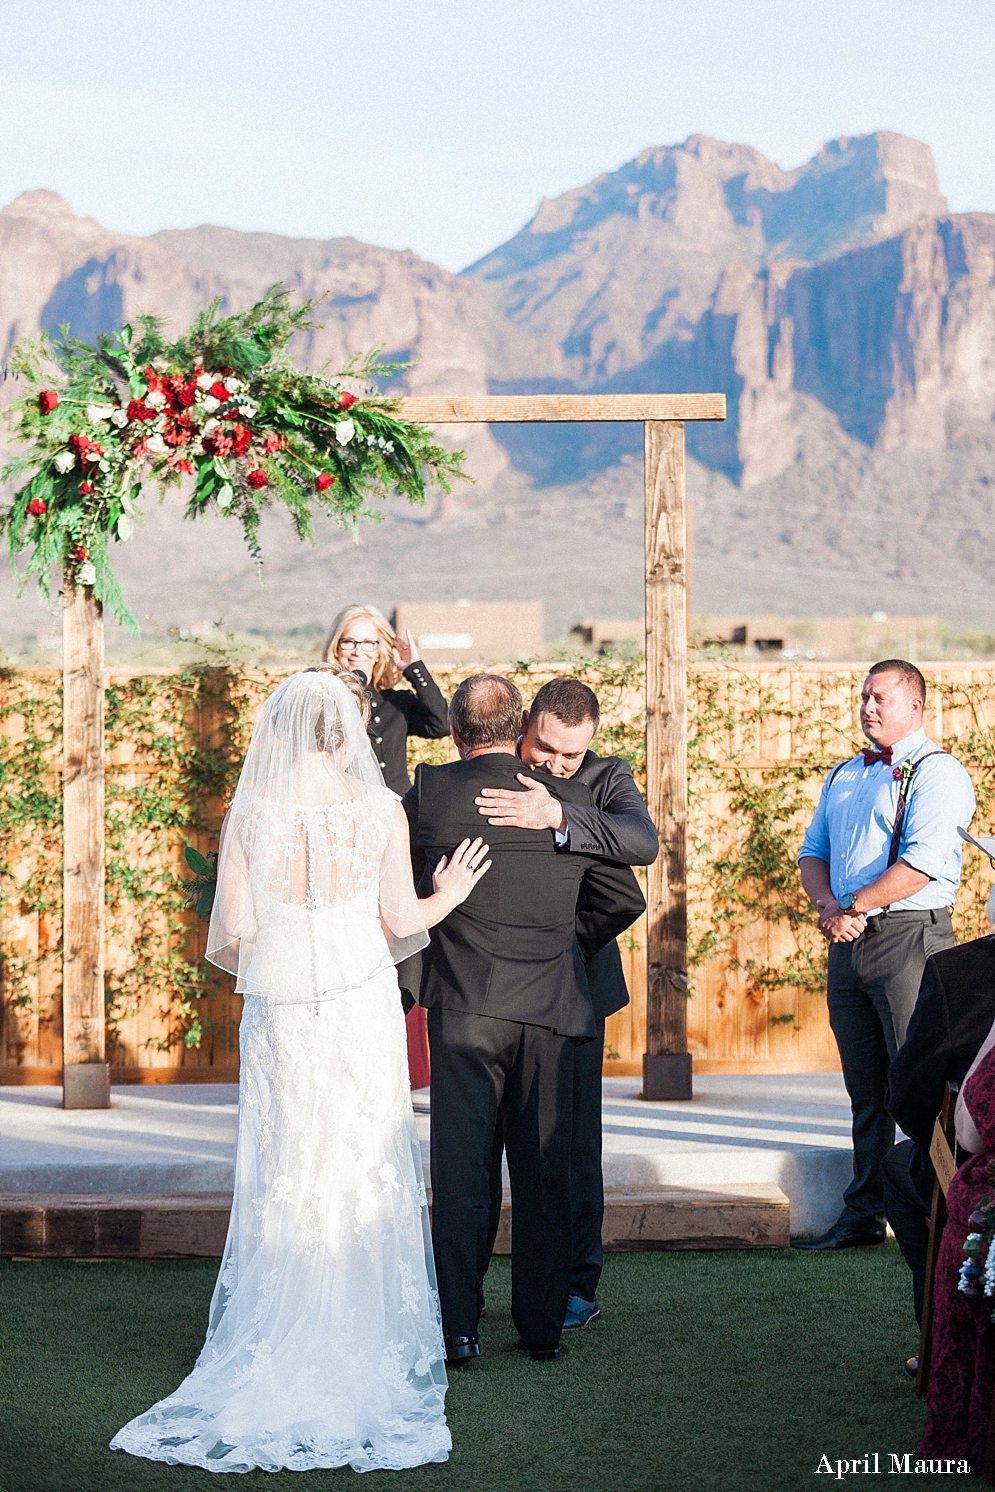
(360, 675)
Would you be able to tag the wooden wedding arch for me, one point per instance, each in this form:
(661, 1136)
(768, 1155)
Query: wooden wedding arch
(666, 1062)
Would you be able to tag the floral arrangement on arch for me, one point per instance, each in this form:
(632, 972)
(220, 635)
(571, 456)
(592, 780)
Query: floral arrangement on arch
(223, 409)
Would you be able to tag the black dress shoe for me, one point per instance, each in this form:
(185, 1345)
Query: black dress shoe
(539, 1354)
(911, 1369)
(846, 1235)
(461, 1349)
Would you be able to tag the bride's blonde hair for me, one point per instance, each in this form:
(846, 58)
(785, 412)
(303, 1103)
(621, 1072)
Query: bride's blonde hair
(384, 672)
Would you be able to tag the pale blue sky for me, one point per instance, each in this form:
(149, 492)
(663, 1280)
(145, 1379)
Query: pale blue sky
(437, 125)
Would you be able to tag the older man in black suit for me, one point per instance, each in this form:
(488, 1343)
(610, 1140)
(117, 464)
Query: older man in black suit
(508, 1001)
(618, 832)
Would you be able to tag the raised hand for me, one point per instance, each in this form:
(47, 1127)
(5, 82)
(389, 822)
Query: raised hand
(405, 651)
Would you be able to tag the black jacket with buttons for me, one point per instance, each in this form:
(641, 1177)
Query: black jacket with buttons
(397, 714)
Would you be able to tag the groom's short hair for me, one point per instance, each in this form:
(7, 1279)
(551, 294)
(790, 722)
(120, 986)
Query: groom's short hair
(569, 700)
(486, 711)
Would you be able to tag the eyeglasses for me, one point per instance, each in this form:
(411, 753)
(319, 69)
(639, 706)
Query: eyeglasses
(354, 645)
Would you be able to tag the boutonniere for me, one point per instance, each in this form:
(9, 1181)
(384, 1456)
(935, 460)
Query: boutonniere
(904, 772)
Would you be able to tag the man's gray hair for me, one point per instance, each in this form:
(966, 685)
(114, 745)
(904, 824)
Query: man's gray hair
(486, 711)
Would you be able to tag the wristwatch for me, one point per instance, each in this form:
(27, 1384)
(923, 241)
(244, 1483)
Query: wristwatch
(846, 902)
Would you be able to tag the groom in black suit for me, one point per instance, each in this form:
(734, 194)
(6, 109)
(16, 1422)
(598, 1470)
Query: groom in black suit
(508, 1001)
(619, 832)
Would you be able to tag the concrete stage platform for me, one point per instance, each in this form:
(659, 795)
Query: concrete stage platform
(739, 1136)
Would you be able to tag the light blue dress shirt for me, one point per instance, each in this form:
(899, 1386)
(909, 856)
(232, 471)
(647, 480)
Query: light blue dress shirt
(853, 823)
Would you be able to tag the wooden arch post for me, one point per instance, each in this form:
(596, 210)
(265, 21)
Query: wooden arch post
(666, 1061)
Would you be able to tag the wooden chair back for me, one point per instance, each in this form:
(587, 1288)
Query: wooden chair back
(942, 1152)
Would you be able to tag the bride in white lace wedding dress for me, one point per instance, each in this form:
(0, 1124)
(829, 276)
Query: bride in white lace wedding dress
(324, 1346)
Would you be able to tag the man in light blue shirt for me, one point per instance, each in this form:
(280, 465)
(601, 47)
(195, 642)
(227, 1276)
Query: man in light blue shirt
(881, 861)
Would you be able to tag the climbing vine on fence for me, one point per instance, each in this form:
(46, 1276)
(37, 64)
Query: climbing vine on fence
(759, 746)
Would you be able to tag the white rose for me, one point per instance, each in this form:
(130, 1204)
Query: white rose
(247, 411)
(64, 461)
(86, 574)
(160, 364)
(96, 413)
(156, 399)
(233, 385)
(210, 425)
(344, 431)
(204, 381)
(211, 404)
(119, 418)
(196, 448)
(157, 445)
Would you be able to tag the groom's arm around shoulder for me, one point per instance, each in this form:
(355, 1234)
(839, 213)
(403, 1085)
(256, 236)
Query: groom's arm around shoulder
(618, 827)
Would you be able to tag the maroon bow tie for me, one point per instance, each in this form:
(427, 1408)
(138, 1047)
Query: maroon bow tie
(884, 755)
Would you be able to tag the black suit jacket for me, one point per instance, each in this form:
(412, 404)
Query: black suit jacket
(618, 828)
(396, 714)
(954, 1012)
(510, 950)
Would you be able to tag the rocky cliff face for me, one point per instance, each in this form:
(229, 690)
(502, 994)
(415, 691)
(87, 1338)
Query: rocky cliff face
(55, 268)
(705, 265)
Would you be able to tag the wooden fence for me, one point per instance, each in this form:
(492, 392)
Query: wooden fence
(760, 742)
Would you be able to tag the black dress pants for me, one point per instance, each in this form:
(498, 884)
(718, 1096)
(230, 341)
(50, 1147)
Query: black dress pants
(873, 984)
(587, 1183)
(908, 1176)
(481, 1065)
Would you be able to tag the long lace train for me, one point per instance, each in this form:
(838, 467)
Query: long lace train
(324, 1346)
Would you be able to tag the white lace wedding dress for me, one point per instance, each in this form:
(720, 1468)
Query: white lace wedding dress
(324, 1346)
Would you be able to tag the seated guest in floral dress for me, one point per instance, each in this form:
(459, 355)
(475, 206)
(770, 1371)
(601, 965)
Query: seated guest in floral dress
(962, 1372)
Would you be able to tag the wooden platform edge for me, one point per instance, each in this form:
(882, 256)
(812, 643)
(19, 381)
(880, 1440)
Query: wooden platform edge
(55, 1225)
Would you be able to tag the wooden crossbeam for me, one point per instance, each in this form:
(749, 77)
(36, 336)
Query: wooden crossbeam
(530, 409)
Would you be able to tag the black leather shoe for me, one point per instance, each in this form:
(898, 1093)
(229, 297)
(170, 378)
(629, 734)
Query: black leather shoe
(846, 1235)
(461, 1349)
(911, 1369)
(539, 1354)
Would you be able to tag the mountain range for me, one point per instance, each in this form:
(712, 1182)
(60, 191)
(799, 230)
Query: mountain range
(846, 314)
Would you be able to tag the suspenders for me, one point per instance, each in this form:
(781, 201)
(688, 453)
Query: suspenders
(903, 798)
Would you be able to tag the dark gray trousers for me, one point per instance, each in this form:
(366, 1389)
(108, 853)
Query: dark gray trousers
(908, 1200)
(873, 984)
(481, 1067)
(587, 1184)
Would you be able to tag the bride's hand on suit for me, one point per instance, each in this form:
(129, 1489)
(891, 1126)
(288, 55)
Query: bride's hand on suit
(454, 879)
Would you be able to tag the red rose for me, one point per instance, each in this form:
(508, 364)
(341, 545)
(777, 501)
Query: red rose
(139, 410)
(272, 444)
(80, 444)
(219, 392)
(226, 372)
(81, 553)
(217, 444)
(86, 488)
(323, 481)
(47, 401)
(184, 394)
(347, 400)
(241, 439)
(36, 507)
(230, 414)
(152, 378)
(257, 478)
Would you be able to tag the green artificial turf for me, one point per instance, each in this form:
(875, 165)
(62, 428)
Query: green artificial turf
(708, 1370)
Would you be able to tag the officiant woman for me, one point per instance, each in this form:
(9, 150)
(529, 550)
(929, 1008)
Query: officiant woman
(362, 640)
